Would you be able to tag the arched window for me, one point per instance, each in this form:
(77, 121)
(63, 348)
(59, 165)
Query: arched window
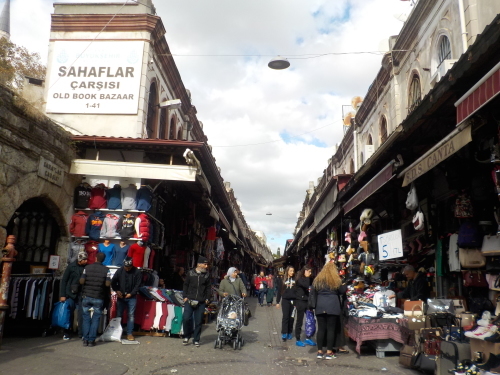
(362, 158)
(151, 130)
(444, 49)
(173, 123)
(383, 130)
(414, 95)
(179, 133)
(369, 142)
(163, 124)
(351, 167)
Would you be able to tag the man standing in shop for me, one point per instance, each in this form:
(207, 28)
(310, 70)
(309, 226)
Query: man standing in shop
(126, 282)
(95, 280)
(196, 293)
(71, 290)
(417, 288)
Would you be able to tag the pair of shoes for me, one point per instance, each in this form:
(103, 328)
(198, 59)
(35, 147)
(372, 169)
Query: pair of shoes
(185, 341)
(330, 356)
(284, 336)
(91, 343)
(300, 343)
(197, 344)
(85, 343)
(310, 342)
(319, 355)
(66, 337)
(289, 336)
(130, 338)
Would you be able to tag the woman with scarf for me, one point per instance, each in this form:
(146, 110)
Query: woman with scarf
(232, 284)
(286, 295)
(270, 290)
(324, 298)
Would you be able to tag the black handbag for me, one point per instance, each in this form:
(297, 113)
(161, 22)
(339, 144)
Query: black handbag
(425, 363)
(480, 304)
(493, 264)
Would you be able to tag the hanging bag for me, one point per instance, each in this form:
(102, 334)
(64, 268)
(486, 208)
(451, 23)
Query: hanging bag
(491, 245)
(469, 236)
(62, 313)
(471, 258)
(310, 323)
(493, 282)
(474, 278)
(418, 220)
(412, 199)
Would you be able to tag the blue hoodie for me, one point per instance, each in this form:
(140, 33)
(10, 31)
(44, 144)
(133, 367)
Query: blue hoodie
(94, 224)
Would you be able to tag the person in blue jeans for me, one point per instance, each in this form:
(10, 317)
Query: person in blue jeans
(95, 280)
(126, 283)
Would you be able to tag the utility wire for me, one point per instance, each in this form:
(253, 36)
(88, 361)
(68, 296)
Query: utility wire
(289, 57)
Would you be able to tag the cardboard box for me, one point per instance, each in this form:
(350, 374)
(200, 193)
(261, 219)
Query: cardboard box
(485, 347)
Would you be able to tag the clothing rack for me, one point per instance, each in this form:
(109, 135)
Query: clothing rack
(31, 274)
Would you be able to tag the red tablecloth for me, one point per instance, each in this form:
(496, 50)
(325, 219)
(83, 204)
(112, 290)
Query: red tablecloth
(360, 330)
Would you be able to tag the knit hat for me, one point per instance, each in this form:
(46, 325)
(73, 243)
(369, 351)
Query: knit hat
(82, 256)
(127, 262)
(202, 259)
(230, 271)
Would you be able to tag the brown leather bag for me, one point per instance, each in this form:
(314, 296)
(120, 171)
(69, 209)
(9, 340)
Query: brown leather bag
(407, 353)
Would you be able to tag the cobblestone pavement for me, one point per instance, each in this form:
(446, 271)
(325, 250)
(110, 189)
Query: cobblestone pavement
(263, 353)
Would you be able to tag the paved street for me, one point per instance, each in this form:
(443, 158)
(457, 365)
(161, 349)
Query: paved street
(263, 353)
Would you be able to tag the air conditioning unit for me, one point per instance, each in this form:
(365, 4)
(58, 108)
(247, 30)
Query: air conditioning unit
(441, 71)
(369, 150)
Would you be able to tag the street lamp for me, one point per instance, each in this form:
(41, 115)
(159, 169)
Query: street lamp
(279, 63)
(269, 214)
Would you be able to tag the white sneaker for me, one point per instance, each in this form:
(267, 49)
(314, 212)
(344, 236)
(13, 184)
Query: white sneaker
(185, 341)
(491, 330)
(478, 331)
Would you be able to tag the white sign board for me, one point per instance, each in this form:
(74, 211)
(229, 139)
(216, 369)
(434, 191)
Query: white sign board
(390, 245)
(94, 77)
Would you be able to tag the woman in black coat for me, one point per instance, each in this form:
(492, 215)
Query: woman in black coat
(324, 299)
(286, 295)
(302, 284)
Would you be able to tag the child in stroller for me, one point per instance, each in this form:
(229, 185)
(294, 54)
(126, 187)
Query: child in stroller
(229, 322)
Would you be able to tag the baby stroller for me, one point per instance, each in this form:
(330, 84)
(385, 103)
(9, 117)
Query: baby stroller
(229, 322)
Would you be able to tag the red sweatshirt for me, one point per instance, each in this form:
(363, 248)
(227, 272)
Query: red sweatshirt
(136, 252)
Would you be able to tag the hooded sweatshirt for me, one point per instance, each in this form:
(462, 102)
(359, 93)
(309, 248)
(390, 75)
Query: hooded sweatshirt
(78, 224)
(94, 225)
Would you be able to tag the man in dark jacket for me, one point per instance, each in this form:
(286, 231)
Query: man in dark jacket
(418, 286)
(95, 280)
(196, 293)
(70, 290)
(126, 282)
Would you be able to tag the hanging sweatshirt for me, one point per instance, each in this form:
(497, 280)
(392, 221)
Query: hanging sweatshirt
(114, 197)
(120, 255)
(109, 226)
(128, 197)
(75, 248)
(142, 225)
(78, 224)
(91, 248)
(81, 196)
(109, 251)
(144, 198)
(98, 198)
(94, 225)
(136, 252)
(126, 226)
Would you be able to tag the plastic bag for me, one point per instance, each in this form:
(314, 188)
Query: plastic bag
(412, 199)
(62, 313)
(113, 331)
(440, 306)
(310, 323)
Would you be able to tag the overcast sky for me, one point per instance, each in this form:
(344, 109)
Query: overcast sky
(242, 102)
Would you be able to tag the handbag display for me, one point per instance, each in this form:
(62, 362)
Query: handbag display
(416, 322)
(459, 305)
(466, 319)
(493, 264)
(491, 245)
(425, 363)
(471, 258)
(474, 278)
(418, 220)
(440, 306)
(412, 199)
(407, 353)
(410, 310)
(451, 354)
(493, 281)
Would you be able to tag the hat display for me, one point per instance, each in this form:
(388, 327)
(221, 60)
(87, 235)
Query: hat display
(202, 259)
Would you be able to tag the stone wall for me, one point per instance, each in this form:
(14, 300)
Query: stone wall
(27, 135)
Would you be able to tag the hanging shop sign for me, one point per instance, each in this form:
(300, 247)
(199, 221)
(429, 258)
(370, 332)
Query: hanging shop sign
(94, 77)
(441, 151)
(390, 245)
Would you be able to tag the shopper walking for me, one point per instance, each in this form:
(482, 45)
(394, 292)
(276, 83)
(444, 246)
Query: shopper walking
(286, 295)
(126, 282)
(71, 290)
(261, 287)
(303, 283)
(324, 299)
(232, 284)
(270, 290)
(196, 294)
(95, 280)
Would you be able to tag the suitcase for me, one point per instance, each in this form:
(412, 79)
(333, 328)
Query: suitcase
(451, 354)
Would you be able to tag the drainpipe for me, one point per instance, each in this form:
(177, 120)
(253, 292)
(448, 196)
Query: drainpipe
(9, 254)
(463, 29)
(355, 150)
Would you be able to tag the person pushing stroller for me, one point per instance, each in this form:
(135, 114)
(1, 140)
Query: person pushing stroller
(232, 284)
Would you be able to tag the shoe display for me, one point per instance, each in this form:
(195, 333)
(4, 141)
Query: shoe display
(185, 341)
(478, 331)
(490, 332)
(289, 336)
(197, 344)
(310, 342)
(85, 343)
(130, 338)
(492, 362)
(300, 343)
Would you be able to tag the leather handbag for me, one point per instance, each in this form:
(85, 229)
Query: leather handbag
(471, 258)
(406, 354)
(466, 319)
(410, 309)
(474, 278)
(459, 305)
(493, 264)
(440, 306)
(491, 245)
(493, 281)
(416, 321)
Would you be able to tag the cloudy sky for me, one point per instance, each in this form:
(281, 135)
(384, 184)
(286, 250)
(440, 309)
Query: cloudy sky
(272, 131)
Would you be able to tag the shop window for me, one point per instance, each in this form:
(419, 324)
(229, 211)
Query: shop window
(151, 120)
(383, 130)
(173, 124)
(36, 232)
(414, 95)
(163, 124)
(444, 49)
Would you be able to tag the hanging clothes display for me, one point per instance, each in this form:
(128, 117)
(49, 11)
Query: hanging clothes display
(75, 247)
(109, 226)
(108, 249)
(142, 227)
(128, 196)
(78, 224)
(120, 253)
(147, 252)
(32, 297)
(92, 248)
(144, 198)
(81, 195)
(94, 225)
(126, 226)
(114, 197)
(98, 197)
(136, 252)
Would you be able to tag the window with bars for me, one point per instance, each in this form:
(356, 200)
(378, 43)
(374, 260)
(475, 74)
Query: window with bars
(152, 112)
(444, 50)
(414, 95)
(36, 232)
(383, 130)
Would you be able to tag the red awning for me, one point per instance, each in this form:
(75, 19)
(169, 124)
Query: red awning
(480, 94)
(371, 187)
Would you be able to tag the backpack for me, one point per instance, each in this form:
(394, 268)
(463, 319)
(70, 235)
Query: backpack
(469, 236)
